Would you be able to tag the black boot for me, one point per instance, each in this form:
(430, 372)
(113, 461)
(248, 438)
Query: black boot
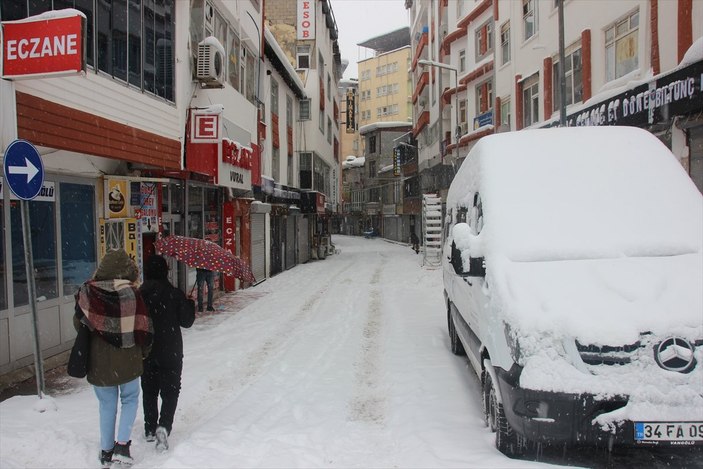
(106, 458)
(121, 454)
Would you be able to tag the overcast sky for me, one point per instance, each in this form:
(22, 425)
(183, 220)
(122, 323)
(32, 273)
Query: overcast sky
(359, 20)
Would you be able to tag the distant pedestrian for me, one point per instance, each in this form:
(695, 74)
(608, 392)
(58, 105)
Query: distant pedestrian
(415, 242)
(111, 306)
(205, 276)
(169, 310)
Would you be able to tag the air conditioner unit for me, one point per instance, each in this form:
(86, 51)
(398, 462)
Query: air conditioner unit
(210, 67)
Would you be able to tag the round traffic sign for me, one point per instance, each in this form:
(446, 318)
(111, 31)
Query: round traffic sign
(24, 169)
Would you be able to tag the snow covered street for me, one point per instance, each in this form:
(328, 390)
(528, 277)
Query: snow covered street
(337, 363)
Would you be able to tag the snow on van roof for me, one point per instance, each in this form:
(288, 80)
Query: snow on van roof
(574, 193)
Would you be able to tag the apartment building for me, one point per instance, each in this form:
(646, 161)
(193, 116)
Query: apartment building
(184, 118)
(376, 189)
(307, 32)
(493, 65)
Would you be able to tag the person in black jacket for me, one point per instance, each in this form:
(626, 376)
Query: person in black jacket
(169, 310)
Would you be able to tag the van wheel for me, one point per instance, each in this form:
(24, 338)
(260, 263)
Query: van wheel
(508, 441)
(456, 346)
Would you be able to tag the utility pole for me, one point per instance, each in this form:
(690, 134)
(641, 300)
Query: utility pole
(562, 66)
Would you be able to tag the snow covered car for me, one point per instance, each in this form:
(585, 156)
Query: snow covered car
(573, 279)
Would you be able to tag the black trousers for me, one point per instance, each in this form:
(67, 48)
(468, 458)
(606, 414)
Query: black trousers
(165, 382)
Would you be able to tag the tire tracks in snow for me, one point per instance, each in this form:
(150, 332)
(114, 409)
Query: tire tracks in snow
(368, 404)
(239, 374)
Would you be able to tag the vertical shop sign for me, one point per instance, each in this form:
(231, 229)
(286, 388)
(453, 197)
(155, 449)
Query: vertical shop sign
(228, 239)
(306, 19)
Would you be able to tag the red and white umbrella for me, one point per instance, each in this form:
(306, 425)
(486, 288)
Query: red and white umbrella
(204, 254)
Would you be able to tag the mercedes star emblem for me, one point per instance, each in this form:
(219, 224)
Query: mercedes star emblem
(675, 354)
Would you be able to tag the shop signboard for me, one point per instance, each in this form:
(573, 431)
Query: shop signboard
(234, 169)
(116, 193)
(203, 142)
(49, 44)
(669, 95)
(46, 193)
(306, 19)
(228, 239)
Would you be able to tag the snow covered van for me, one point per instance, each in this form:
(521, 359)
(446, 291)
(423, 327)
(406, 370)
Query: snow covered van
(573, 278)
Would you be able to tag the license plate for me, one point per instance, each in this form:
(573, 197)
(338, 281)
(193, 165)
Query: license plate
(673, 433)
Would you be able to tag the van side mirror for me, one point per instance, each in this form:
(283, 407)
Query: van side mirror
(476, 264)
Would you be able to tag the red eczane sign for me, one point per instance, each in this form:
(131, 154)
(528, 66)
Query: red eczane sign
(43, 47)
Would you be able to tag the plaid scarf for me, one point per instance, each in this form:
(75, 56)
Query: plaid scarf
(115, 310)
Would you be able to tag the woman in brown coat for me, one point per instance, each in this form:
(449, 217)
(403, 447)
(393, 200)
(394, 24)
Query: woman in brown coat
(111, 306)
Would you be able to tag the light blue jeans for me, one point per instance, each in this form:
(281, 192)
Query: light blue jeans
(107, 398)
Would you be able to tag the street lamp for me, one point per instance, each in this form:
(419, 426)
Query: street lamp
(457, 132)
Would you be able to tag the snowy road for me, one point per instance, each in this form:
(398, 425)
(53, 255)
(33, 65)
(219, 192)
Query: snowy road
(337, 363)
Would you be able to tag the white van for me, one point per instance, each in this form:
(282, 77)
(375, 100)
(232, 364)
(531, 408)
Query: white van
(573, 278)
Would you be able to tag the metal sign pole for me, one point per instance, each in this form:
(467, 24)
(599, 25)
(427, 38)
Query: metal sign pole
(24, 174)
(29, 264)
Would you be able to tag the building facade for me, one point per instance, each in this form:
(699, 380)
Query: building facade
(493, 65)
(183, 117)
(307, 33)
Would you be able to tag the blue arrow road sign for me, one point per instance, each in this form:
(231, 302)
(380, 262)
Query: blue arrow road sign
(24, 170)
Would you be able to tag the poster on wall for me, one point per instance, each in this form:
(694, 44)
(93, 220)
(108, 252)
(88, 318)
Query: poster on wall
(116, 194)
(148, 210)
(122, 234)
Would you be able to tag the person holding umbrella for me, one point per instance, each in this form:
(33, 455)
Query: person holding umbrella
(170, 310)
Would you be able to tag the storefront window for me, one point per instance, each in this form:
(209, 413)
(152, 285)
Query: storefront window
(77, 235)
(212, 219)
(43, 239)
(195, 212)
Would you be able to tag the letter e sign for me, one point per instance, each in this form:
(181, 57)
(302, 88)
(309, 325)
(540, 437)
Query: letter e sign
(205, 128)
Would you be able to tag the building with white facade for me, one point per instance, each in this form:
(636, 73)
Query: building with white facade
(492, 66)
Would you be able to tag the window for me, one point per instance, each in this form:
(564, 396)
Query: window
(372, 144)
(320, 66)
(306, 170)
(276, 164)
(372, 169)
(484, 40)
(329, 130)
(621, 47)
(289, 111)
(529, 19)
(462, 60)
(463, 116)
(505, 43)
(303, 56)
(274, 97)
(77, 245)
(530, 100)
(128, 41)
(43, 239)
(304, 110)
(234, 53)
(505, 114)
(290, 173)
(321, 121)
(574, 83)
(329, 87)
(484, 97)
